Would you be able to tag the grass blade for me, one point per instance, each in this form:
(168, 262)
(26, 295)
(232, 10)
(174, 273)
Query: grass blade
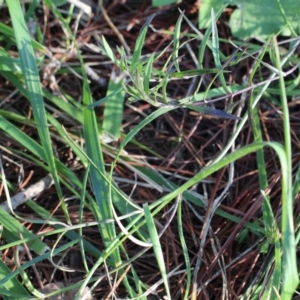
(148, 74)
(157, 247)
(136, 57)
(113, 111)
(216, 50)
(290, 273)
(184, 250)
(32, 81)
(176, 42)
(108, 51)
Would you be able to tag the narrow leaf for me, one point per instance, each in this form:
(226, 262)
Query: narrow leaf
(139, 45)
(192, 73)
(113, 111)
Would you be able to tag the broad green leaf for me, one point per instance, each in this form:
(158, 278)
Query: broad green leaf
(262, 18)
(205, 11)
(255, 18)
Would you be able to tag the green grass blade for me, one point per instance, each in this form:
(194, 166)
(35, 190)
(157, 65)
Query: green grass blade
(205, 42)
(276, 280)
(185, 250)
(136, 57)
(272, 232)
(176, 41)
(111, 95)
(285, 18)
(13, 228)
(148, 74)
(269, 219)
(113, 111)
(157, 247)
(8, 31)
(32, 81)
(108, 51)
(157, 3)
(9, 64)
(81, 214)
(12, 288)
(193, 73)
(296, 185)
(268, 216)
(216, 50)
(63, 134)
(290, 278)
(36, 149)
(93, 150)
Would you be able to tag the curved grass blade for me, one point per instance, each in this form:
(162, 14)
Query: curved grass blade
(272, 232)
(289, 257)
